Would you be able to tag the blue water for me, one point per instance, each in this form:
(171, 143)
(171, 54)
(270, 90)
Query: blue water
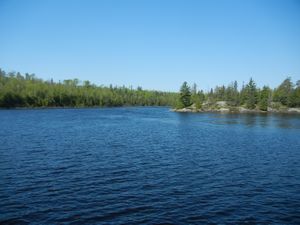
(148, 166)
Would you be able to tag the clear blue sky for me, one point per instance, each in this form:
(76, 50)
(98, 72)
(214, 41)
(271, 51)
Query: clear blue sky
(156, 44)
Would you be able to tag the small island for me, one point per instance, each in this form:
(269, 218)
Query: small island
(249, 99)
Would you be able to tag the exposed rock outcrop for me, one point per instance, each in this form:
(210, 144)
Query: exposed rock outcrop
(223, 107)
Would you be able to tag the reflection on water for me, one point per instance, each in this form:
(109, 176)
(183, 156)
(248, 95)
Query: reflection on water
(260, 120)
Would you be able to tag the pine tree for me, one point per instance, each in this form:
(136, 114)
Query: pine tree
(251, 94)
(185, 95)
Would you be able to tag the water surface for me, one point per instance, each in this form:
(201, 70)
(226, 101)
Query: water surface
(148, 166)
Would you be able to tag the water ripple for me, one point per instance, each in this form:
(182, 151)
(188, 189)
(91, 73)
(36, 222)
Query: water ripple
(148, 166)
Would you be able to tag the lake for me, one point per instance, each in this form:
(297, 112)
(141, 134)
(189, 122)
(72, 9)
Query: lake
(148, 165)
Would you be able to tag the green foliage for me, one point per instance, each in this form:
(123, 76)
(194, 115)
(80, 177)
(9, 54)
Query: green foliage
(264, 98)
(286, 95)
(232, 94)
(185, 95)
(295, 96)
(17, 90)
(277, 106)
(251, 94)
(28, 91)
(283, 93)
(178, 104)
(199, 99)
(219, 93)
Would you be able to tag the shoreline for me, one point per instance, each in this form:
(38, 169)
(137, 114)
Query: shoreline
(238, 111)
(78, 107)
(235, 110)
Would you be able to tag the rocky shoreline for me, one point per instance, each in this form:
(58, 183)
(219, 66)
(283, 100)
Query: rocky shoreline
(222, 107)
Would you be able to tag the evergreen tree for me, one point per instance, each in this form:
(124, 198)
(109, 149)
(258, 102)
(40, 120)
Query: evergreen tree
(185, 95)
(251, 94)
(236, 96)
(264, 98)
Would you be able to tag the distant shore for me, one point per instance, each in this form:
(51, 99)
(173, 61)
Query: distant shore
(77, 107)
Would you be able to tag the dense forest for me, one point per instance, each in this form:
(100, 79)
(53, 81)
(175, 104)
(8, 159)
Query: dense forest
(287, 94)
(18, 90)
(26, 90)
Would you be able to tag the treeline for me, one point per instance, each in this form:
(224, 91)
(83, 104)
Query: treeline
(25, 90)
(287, 94)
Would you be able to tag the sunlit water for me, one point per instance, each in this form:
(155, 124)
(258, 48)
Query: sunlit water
(148, 166)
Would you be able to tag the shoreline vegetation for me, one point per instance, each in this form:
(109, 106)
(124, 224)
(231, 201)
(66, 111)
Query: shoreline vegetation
(248, 99)
(27, 91)
(20, 91)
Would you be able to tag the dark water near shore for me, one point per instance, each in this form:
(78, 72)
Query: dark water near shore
(148, 166)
